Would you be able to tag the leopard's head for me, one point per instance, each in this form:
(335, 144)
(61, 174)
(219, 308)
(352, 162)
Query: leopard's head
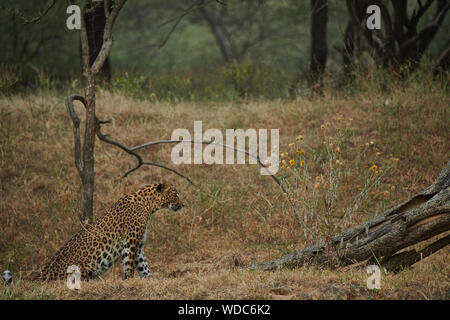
(169, 197)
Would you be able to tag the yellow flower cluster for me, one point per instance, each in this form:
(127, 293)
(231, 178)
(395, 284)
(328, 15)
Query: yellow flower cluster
(298, 151)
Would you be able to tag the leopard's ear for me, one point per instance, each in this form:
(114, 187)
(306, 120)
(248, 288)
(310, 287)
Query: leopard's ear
(159, 187)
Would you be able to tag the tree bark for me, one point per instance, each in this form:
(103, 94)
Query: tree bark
(95, 21)
(422, 217)
(88, 177)
(351, 40)
(319, 45)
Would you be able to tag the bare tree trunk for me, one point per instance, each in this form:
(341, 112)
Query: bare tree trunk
(84, 155)
(219, 34)
(319, 45)
(352, 40)
(348, 52)
(88, 176)
(95, 21)
(422, 217)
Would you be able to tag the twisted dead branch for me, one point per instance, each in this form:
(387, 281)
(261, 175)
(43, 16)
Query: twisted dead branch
(133, 150)
(104, 138)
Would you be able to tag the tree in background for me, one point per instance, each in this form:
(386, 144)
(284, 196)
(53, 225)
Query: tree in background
(319, 44)
(271, 38)
(237, 26)
(351, 48)
(95, 21)
(218, 29)
(29, 33)
(400, 43)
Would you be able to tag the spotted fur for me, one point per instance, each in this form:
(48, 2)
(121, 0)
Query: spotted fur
(119, 234)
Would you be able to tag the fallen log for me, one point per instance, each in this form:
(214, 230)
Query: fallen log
(380, 239)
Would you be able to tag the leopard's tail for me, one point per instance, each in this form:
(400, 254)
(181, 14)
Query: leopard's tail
(7, 277)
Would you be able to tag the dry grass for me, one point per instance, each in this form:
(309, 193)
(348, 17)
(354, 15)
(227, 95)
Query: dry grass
(234, 218)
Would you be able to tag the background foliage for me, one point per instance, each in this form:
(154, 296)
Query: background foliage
(271, 36)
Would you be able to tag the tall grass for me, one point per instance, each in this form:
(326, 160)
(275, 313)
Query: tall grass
(235, 216)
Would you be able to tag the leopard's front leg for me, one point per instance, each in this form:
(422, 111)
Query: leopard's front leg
(129, 254)
(142, 265)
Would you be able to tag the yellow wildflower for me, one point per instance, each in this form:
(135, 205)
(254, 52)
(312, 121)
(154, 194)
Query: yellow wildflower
(299, 151)
(373, 167)
(292, 162)
(301, 163)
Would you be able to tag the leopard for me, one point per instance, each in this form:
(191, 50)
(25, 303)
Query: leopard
(119, 234)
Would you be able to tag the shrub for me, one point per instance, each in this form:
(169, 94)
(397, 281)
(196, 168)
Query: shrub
(133, 86)
(317, 178)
